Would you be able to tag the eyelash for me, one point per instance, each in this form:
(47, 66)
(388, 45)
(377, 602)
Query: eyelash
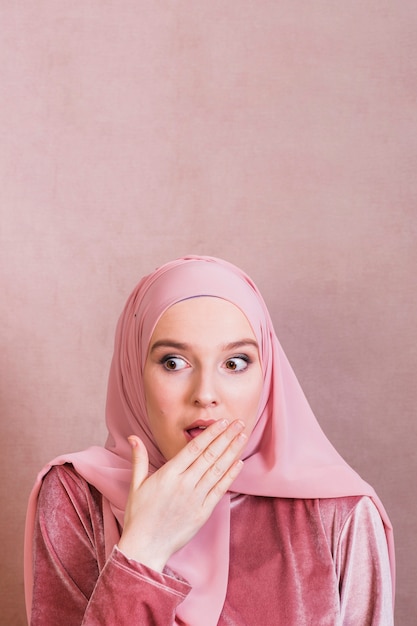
(242, 357)
(172, 357)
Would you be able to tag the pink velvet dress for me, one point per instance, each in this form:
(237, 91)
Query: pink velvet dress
(321, 562)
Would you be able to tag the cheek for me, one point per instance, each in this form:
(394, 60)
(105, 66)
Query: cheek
(248, 399)
(156, 404)
(161, 396)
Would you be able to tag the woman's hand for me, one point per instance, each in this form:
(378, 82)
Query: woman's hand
(165, 510)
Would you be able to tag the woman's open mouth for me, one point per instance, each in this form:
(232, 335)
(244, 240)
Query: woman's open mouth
(197, 427)
(197, 430)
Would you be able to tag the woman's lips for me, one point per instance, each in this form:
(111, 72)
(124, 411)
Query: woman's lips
(196, 428)
(193, 432)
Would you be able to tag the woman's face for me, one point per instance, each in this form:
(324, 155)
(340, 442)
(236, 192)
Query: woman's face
(202, 365)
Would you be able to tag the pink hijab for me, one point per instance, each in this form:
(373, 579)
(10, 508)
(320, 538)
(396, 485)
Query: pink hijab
(287, 455)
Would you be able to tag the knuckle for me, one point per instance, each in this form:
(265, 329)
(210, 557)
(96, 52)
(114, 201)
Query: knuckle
(194, 448)
(235, 470)
(219, 491)
(209, 455)
(217, 470)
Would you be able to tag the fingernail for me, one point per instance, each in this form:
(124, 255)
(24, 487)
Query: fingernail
(236, 469)
(241, 438)
(132, 441)
(223, 423)
(238, 426)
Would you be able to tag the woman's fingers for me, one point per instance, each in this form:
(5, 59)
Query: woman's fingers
(207, 446)
(217, 447)
(215, 460)
(219, 475)
(223, 485)
(208, 459)
(199, 444)
(140, 462)
(158, 524)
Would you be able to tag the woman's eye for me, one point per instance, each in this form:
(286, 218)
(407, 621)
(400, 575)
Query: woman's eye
(237, 363)
(174, 363)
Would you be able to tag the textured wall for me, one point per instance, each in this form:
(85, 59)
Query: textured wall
(278, 135)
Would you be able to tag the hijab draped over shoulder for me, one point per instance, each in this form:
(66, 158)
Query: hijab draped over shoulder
(287, 454)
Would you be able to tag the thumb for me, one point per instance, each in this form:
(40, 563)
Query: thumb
(140, 461)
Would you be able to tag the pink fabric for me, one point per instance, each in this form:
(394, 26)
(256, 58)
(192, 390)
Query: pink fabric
(287, 455)
(293, 562)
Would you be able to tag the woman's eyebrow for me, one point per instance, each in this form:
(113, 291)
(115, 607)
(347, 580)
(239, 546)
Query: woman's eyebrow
(167, 343)
(240, 344)
(233, 345)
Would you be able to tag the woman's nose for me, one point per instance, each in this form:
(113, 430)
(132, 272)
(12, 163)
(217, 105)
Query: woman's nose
(204, 393)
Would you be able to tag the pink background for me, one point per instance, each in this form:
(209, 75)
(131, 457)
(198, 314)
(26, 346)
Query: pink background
(281, 136)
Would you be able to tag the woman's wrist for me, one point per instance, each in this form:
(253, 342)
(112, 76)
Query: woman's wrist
(146, 554)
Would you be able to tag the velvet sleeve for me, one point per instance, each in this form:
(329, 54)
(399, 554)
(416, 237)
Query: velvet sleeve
(363, 569)
(74, 584)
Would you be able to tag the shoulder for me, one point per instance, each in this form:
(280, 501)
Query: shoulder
(340, 510)
(62, 487)
(68, 540)
(337, 510)
(326, 508)
(333, 515)
(350, 514)
(64, 477)
(70, 515)
(62, 474)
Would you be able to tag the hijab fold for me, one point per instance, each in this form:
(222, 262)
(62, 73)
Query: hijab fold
(287, 454)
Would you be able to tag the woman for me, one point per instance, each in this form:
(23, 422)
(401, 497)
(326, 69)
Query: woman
(217, 499)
